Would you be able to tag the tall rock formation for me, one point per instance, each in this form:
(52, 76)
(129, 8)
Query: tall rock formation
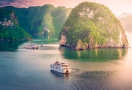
(9, 27)
(36, 20)
(93, 25)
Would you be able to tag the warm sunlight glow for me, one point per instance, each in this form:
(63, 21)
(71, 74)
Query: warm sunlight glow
(116, 6)
(125, 71)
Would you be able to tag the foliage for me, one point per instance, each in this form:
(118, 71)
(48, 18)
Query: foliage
(8, 31)
(92, 23)
(14, 33)
(4, 13)
(35, 19)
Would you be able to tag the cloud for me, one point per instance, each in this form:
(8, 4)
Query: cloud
(116, 6)
(6, 2)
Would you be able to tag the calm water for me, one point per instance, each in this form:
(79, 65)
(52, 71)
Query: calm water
(98, 69)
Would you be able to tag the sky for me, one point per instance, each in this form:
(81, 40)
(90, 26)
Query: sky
(116, 6)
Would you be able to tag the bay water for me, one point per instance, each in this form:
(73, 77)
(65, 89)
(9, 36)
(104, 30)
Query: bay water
(96, 69)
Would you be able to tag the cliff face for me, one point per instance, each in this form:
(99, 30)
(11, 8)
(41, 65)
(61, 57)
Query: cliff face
(93, 25)
(62, 40)
(7, 18)
(36, 20)
(9, 27)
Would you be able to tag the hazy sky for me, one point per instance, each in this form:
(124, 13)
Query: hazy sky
(116, 6)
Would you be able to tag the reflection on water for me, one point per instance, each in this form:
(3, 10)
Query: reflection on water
(95, 80)
(10, 46)
(60, 75)
(94, 54)
(44, 40)
(97, 69)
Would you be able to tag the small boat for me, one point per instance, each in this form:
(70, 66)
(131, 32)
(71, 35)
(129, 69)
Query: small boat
(31, 47)
(60, 67)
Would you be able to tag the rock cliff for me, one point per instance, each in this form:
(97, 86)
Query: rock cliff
(92, 25)
(9, 27)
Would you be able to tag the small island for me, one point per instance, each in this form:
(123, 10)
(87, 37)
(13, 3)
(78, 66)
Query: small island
(92, 25)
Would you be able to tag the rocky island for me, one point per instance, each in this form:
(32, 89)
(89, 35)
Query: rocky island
(9, 27)
(44, 20)
(92, 25)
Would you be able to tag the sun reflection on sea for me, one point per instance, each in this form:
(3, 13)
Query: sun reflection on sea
(123, 75)
(128, 61)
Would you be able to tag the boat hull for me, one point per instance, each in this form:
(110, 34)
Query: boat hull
(60, 70)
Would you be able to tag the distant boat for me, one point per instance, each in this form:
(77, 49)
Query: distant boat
(31, 47)
(60, 67)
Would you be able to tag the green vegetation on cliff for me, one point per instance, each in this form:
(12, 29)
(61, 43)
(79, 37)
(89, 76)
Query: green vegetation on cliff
(42, 19)
(9, 27)
(94, 25)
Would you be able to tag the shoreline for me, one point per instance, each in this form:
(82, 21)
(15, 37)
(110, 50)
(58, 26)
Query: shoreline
(88, 48)
(8, 40)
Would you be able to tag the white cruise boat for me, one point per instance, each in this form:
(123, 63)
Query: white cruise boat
(60, 67)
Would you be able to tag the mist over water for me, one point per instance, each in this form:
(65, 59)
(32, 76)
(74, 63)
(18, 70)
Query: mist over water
(97, 69)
